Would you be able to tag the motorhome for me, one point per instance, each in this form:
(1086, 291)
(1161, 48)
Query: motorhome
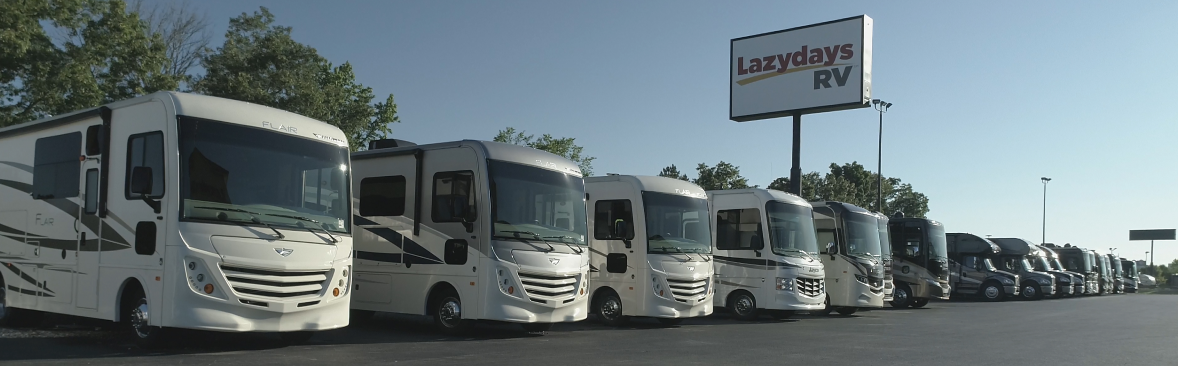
(1077, 278)
(1104, 271)
(1131, 275)
(175, 210)
(766, 255)
(1080, 261)
(921, 264)
(972, 271)
(1024, 258)
(470, 230)
(848, 241)
(650, 249)
(1118, 274)
(885, 246)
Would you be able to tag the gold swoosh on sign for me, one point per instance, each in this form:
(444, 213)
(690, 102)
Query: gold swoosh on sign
(767, 75)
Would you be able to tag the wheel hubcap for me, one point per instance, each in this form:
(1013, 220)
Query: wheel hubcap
(901, 296)
(744, 305)
(991, 292)
(450, 312)
(139, 321)
(1029, 291)
(611, 309)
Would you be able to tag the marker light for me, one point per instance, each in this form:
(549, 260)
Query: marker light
(510, 290)
(335, 291)
(209, 288)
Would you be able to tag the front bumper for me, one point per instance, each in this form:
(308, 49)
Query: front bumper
(194, 311)
(1011, 290)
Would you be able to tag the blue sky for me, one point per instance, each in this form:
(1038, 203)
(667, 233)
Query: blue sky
(988, 97)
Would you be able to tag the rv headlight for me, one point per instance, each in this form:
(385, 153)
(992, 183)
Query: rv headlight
(1007, 281)
(1065, 279)
(1043, 280)
(861, 278)
(785, 284)
(200, 279)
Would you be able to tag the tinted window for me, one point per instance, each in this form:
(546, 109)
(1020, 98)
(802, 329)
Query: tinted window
(56, 167)
(382, 196)
(739, 229)
(606, 213)
(91, 191)
(451, 190)
(146, 150)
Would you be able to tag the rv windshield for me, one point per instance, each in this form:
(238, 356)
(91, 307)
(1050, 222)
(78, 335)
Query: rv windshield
(243, 175)
(1130, 268)
(988, 264)
(543, 204)
(936, 238)
(791, 229)
(1055, 264)
(676, 224)
(1041, 264)
(862, 234)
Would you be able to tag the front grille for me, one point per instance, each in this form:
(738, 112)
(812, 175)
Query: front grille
(543, 288)
(275, 284)
(684, 290)
(811, 287)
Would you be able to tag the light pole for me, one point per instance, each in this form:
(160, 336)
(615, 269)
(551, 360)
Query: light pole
(1045, 180)
(882, 107)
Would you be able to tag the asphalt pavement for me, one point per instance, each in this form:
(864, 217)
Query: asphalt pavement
(1131, 329)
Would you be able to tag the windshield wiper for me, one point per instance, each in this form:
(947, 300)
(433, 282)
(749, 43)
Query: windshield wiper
(253, 219)
(534, 236)
(791, 249)
(317, 223)
(562, 237)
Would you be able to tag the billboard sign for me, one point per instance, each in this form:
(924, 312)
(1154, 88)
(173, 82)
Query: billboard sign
(815, 68)
(1158, 234)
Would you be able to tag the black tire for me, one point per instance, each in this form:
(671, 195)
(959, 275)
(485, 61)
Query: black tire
(992, 291)
(919, 303)
(670, 322)
(608, 307)
(447, 312)
(743, 306)
(360, 316)
(295, 338)
(783, 314)
(536, 327)
(846, 310)
(827, 309)
(137, 315)
(1031, 291)
(901, 296)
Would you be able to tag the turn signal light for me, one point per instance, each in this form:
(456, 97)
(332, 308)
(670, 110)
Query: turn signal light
(209, 288)
(335, 291)
(511, 290)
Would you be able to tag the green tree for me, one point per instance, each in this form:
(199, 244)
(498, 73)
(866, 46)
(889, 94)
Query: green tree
(260, 63)
(721, 176)
(103, 54)
(672, 172)
(854, 184)
(565, 146)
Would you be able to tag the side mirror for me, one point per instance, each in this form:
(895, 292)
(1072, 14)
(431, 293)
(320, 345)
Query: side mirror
(831, 248)
(141, 180)
(622, 231)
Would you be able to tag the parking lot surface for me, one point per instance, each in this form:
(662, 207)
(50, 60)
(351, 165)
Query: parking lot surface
(1113, 329)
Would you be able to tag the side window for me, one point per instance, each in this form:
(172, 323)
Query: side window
(825, 236)
(382, 196)
(146, 150)
(56, 167)
(453, 196)
(913, 237)
(739, 230)
(91, 205)
(969, 261)
(608, 212)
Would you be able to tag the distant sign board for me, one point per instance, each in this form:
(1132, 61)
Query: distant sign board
(1159, 234)
(815, 68)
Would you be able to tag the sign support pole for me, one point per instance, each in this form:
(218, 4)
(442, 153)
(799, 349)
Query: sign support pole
(795, 173)
(1151, 256)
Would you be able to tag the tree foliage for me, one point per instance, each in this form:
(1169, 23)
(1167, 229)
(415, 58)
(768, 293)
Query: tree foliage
(260, 63)
(673, 172)
(103, 54)
(852, 183)
(565, 146)
(722, 176)
(184, 32)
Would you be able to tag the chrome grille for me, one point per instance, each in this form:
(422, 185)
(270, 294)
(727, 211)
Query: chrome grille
(549, 287)
(684, 290)
(275, 284)
(811, 287)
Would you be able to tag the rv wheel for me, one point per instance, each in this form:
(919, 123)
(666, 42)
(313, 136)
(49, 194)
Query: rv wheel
(670, 322)
(295, 338)
(536, 327)
(901, 296)
(743, 306)
(846, 310)
(447, 311)
(137, 313)
(992, 291)
(919, 303)
(1031, 291)
(825, 310)
(609, 309)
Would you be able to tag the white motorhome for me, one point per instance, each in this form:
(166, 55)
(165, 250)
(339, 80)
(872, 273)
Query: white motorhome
(470, 230)
(848, 238)
(177, 210)
(783, 278)
(652, 228)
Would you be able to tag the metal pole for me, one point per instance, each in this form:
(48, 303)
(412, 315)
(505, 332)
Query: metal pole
(1151, 256)
(795, 173)
(879, 169)
(1044, 240)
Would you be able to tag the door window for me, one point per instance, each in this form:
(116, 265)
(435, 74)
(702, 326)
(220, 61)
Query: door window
(453, 196)
(56, 167)
(146, 150)
(739, 229)
(969, 261)
(606, 214)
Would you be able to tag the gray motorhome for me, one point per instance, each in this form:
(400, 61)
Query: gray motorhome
(1079, 260)
(1131, 278)
(1023, 257)
(1104, 271)
(972, 271)
(1077, 279)
(920, 261)
(1118, 274)
(885, 245)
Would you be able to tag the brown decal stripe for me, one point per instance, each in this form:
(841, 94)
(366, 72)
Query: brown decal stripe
(71, 208)
(25, 276)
